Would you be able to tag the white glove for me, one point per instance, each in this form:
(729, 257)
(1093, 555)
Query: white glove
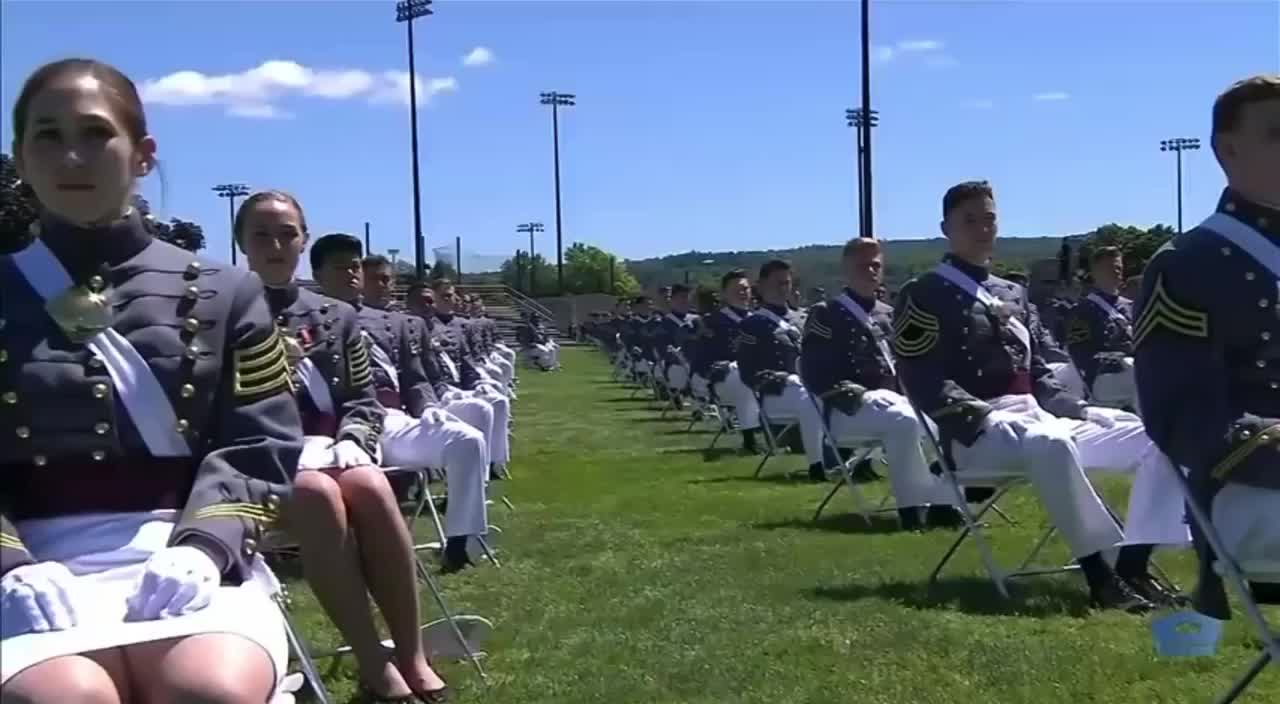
(453, 395)
(1101, 416)
(348, 454)
(175, 581)
(36, 599)
(877, 400)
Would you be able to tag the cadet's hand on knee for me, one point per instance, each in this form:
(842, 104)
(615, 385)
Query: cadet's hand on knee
(175, 581)
(1101, 416)
(348, 454)
(37, 598)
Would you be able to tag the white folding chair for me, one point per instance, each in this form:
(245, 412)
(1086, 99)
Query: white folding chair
(1238, 573)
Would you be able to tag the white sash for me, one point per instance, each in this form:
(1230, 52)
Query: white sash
(971, 287)
(382, 359)
(317, 386)
(672, 317)
(449, 365)
(1250, 240)
(777, 319)
(144, 399)
(857, 311)
(731, 314)
(1107, 308)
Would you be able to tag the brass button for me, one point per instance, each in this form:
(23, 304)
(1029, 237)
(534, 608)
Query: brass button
(191, 324)
(34, 228)
(99, 390)
(193, 270)
(273, 502)
(250, 546)
(23, 431)
(96, 362)
(98, 455)
(1230, 207)
(336, 381)
(182, 425)
(39, 460)
(10, 398)
(1245, 435)
(1263, 303)
(101, 427)
(1249, 276)
(1261, 363)
(96, 283)
(336, 358)
(192, 292)
(1266, 336)
(1263, 223)
(193, 352)
(1226, 251)
(4, 356)
(187, 391)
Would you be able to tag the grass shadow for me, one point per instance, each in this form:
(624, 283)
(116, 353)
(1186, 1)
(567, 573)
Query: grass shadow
(708, 455)
(846, 523)
(788, 479)
(625, 399)
(1047, 598)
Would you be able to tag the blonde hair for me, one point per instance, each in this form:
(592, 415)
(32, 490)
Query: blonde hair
(860, 246)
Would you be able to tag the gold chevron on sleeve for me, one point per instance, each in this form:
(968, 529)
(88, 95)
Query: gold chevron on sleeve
(813, 327)
(262, 369)
(915, 332)
(1162, 311)
(359, 372)
(1078, 331)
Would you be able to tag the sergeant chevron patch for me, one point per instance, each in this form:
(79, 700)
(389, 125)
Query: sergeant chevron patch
(358, 370)
(1162, 311)
(915, 333)
(262, 369)
(1078, 331)
(813, 327)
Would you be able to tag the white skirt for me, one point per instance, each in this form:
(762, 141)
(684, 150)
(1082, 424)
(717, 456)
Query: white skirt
(106, 552)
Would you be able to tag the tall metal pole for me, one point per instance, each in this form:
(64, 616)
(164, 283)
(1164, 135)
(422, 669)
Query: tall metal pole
(531, 228)
(407, 11)
(457, 256)
(862, 191)
(1177, 145)
(231, 191)
(556, 100)
(613, 267)
(866, 123)
(368, 246)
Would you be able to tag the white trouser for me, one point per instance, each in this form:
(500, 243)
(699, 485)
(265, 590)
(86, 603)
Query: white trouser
(541, 355)
(794, 405)
(1053, 453)
(889, 419)
(677, 377)
(1117, 389)
(1245, 518)
(506, 352)
(438, 439)
(487, 411)
(732, 392)
(506, 369)
(1065, 373)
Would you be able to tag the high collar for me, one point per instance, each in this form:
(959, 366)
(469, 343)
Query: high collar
(281, 297)
(85, 250)
(445, 318)
(977, 273)
(781, 311)
(680, 315)
(739, 311)
(1263, 218)
(866, 303)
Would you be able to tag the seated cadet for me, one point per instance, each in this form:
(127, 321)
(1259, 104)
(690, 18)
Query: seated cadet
(344, 516)
(969, 361)
(715, 366)
(1207, 343)
(674, 331)
(769, 361)
(149, 430)
(635, 337)
(535, 343)
(417, 363)
(485, 334)
(450, 330)
(1100, 334)
(433, 439)
(845, 359)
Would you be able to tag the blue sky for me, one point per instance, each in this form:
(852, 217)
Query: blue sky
(711, 125)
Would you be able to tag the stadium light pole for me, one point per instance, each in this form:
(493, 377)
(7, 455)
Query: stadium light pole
(853, 117)
(530, 228)
(231, 191)
(407, 11)
(866, 110)
(1178, 145)
(556, 101)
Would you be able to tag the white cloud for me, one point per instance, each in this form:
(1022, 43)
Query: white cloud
(930, 47)
(1050, 96)
(254, 92)
(479, 56)
(979, 104)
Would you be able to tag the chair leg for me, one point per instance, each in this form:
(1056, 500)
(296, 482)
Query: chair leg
(1243, 683)
(822, 506)
(430, 581)
(309, 670)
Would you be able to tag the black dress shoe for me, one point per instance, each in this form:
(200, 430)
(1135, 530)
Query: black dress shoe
(1148, 588)
(944, 517)
(817, 473)
(978, 494)
(1117, 596)
(455, 557)
(864, 471)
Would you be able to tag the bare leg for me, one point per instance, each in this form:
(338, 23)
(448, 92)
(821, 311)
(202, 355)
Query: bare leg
(388, 560)
(317, 517)
(210, 668)
(95, 678)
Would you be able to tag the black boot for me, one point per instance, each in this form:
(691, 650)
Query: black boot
(864, 471)
(749, 446)
(817, 473)
(978, 494)
(909, 518)
(1107, 591)
(1132, 567)
(941, 516)
(455, 557)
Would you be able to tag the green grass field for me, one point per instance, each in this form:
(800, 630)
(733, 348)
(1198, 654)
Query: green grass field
(638, 570)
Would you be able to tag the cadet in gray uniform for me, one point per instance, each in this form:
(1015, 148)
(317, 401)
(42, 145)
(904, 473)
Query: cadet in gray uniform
(1207, 341)
(1100, 334)
(353, 540)
(150, 433)
(969, 361)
